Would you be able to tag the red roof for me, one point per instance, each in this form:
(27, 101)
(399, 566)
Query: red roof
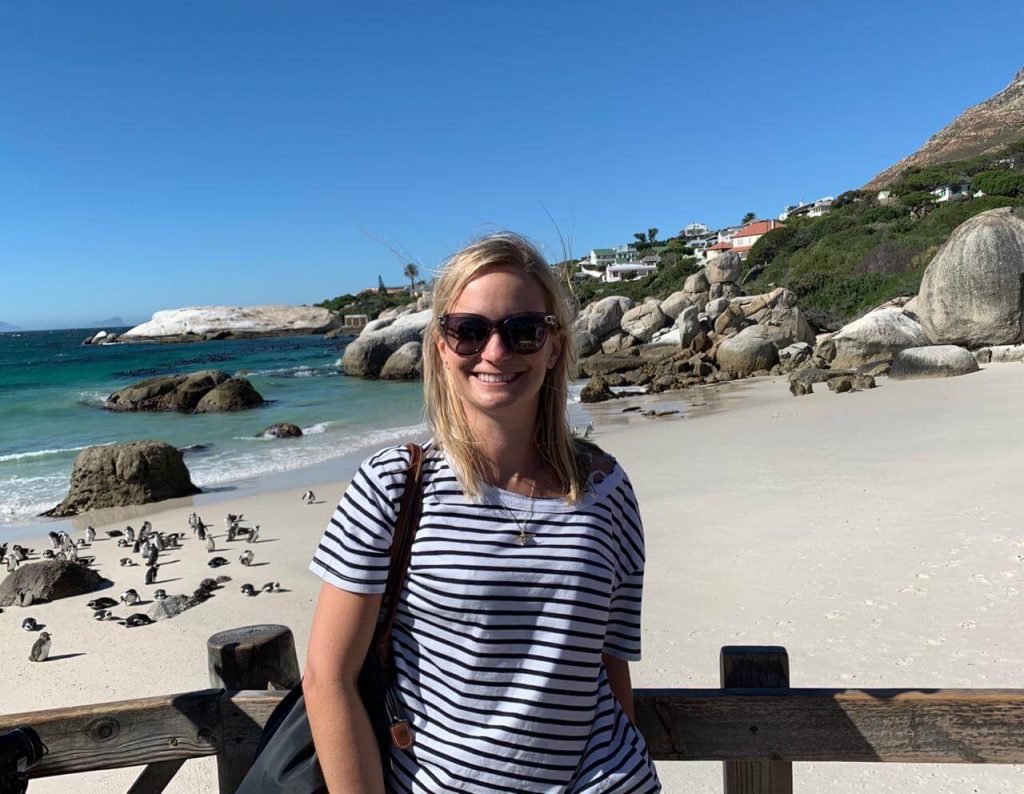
(758, 228)
(722, 246)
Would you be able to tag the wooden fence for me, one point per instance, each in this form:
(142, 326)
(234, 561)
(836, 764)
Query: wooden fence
(756, 724)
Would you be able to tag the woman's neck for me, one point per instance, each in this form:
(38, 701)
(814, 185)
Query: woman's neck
(517, 465)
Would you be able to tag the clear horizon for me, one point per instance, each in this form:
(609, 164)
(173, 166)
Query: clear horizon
(164, 155)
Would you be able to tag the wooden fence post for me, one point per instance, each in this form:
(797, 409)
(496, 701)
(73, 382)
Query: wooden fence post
(765, 667)
(251, 657)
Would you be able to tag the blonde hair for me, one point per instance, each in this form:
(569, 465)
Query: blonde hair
(445, 414)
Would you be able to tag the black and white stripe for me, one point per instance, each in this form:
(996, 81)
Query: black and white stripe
(498, 645)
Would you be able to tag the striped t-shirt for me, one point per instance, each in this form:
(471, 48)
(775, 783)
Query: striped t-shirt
(497, 644)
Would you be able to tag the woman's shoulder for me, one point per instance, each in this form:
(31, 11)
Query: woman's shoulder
(601, 467)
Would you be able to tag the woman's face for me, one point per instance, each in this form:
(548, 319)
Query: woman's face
(496, 382)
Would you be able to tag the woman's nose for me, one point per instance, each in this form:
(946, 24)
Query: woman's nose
(494, 349)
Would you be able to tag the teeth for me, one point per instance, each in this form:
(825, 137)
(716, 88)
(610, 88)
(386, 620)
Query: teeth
(495, 378)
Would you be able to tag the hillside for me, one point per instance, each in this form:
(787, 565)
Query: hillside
(979, 130)
(4, 327)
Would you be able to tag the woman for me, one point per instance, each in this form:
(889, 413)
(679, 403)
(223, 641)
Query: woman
(521, 608)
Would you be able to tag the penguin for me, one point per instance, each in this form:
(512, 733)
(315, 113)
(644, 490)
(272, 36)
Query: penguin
(113, 533)
(12, 563)
(123, 544)
(25, 597)
(127, 562)
(47, 554)
(29, 624)
(201, 531)
(254, 533)
(129, 534)
(232, 529)
(223, 579)
(19, 552)
(54, 540)
(246, 557)
(102, 603)
(210, 545)
(80, 543)
(138, 619)
(209, 584)
(309, 497)
(90, 534)
(271, 587)
(144, 549)
(147, 528)
(73, 554)
(160, 595)
(158, 541)
(40, 649)
(154, 553)
(151, 574)
(216, 562)
(248, 589)
(129, 597)
(60, 556)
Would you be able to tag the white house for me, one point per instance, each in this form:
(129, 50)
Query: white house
(814, 209)
(695, 230)
(952, 192)
(745, 238)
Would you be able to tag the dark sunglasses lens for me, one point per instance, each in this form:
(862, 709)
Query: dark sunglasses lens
(525, 334)
(467, 334)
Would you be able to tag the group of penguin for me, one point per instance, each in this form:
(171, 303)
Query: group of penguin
(147, 543)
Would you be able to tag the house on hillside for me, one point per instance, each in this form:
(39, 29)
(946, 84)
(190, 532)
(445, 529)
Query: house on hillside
(745, 238)
(952, 192)
(618, 264)
(718, 248)
(692, 230)
(814, 209)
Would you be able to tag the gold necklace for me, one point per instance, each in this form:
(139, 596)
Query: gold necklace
(523, 537)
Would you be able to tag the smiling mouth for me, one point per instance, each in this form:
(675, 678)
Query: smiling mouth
(486, 377)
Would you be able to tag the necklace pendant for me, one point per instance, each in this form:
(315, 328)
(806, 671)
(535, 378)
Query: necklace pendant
(524, 537)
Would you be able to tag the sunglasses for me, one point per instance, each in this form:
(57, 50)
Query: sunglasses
(522, 333)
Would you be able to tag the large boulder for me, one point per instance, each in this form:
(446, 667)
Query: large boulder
(606, 364)
(641, 322)
(778, 314)
(937, 361)
(282, 430)
(971, 293)
(596, 390)
(235, 394)
(171, 607)
(1000, 354)
(367, 355)
(618, 342)
(674, 304)
(135, 473)
(49, 580)
(747, 352)
(874, 336)
(195, 323)
(723, 268)
(406, 363)
(605, 316)
(688, 324)
(698, 282)
(169, 392)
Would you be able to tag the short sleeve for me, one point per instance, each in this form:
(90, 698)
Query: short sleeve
(622, 632)
(355, 550)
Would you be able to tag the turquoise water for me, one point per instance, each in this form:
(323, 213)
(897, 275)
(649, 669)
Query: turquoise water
(52, 389)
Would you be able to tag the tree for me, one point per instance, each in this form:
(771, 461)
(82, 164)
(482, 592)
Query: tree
(381, 289)
(652, 234)
(411, 272)
(640, 237)
(750, 216)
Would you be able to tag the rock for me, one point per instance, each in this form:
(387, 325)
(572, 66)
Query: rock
(875, 369)
(863, 381)
(798, 388)
(722, 268)
(282, 430)
(135, 473)
(235, 394)
(730, 320)
(746, 352)
(818, 375)
(641, 322)
(793, 356)
(840, 384)
(167, 392)
(716, 307)
(596, 390)
(971, 293)
(605, 364)
(376, 325)
(674, 304)
(586, 344)
(698, 282)
(406, 363)
(49, 580)
(779, 314)
(938, 361)
(618, 342)
(171, 607)
(688, 324)
(875, 336)
(194, 323)
(1000, 354)
(605, 316)
(367, 355)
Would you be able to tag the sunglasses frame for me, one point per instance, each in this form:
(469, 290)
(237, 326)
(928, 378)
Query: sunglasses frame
(548, 320)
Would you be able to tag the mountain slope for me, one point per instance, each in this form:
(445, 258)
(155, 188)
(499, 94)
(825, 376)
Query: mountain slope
(982, 129)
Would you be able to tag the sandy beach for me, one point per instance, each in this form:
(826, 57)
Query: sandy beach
(876, 535)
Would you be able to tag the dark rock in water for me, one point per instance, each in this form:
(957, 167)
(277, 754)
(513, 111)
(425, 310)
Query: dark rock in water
(186, 393)
(49, 580)
(282, 430)
(193, 448)
(596, 390)
(135, 473)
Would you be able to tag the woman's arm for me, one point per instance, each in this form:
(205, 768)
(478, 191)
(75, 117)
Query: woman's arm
(620, 683)
(342, 629)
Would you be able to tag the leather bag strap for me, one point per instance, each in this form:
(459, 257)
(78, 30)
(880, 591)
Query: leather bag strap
(406, 523)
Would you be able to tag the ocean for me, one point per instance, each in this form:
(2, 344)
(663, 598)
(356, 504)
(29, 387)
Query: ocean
(52, 390)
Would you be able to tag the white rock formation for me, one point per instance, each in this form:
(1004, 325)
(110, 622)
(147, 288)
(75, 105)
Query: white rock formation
(198, 321)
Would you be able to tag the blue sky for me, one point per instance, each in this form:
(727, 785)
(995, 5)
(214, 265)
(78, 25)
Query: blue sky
(161, 154)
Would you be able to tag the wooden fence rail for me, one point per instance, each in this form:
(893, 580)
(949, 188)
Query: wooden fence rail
(757, 729)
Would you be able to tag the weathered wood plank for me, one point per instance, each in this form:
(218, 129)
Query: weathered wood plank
(890, 725)
(759, 666)
(155, 777)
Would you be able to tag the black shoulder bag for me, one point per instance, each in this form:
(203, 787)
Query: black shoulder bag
(285, 756)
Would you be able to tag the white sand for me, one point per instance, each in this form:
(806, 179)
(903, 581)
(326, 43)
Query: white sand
(875, 535)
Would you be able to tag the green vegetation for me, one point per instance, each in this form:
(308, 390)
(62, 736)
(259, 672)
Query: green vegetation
(369, 302)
